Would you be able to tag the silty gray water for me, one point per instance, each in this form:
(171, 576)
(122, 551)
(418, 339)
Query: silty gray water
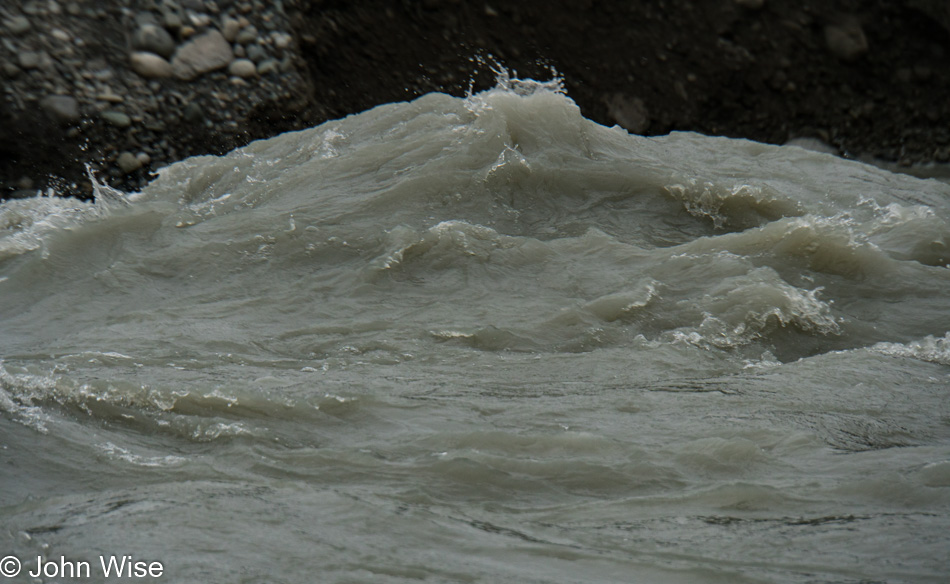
(483, 339)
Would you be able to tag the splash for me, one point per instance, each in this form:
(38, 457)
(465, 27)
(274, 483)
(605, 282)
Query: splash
(507, 79)
(107, 196)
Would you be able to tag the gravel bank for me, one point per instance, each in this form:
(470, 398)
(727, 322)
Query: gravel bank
(131, 86)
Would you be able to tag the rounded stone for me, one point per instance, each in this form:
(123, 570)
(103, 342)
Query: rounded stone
(846, 41)
(282, 40)
(60, 35)
(32, 8)
(150, 65)
(199, 20)
(269, 66)
(248, 35)
(117, 119)
(153, 39)
(128, 162)
(243, 68)
(192, 112)
(629, 112)
(29, 59)
(256, 53)
(202, 54)
(230, 29)
(10, 70)
(172, 21)
(18, 25)
(145, 17)
(62, 108)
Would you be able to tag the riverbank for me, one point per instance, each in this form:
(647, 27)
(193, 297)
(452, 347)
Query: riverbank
(127, 87)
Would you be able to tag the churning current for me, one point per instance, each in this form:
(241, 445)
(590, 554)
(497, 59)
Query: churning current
(484, 340)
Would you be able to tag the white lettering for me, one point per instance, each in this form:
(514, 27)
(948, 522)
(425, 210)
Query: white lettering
(126, 567)
(113, 564)
(64, 569)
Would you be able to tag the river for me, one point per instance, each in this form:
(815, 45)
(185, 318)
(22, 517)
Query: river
(481, 339)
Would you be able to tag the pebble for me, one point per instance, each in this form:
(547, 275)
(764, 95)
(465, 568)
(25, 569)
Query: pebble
(154, 39)
(192, 112)
(150, 65)
(144, 158)
(172, 20)
(247, 35)
(62, 108)
(267, 67)
(29, 59)
(282, 40)
(32, 8)
(103, 73)
(10, 70)
(204, 53)
(18, 25)
(117, 119)
(110, 97)
(243, 68)
(256, 53)
(846, 41)
(60, 35)
(199, 20)
(230, 29)
(630, 113)
(145, 17)
(128, 162)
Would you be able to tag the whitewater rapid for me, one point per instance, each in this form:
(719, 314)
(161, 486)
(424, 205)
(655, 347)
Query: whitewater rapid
(483, 339)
